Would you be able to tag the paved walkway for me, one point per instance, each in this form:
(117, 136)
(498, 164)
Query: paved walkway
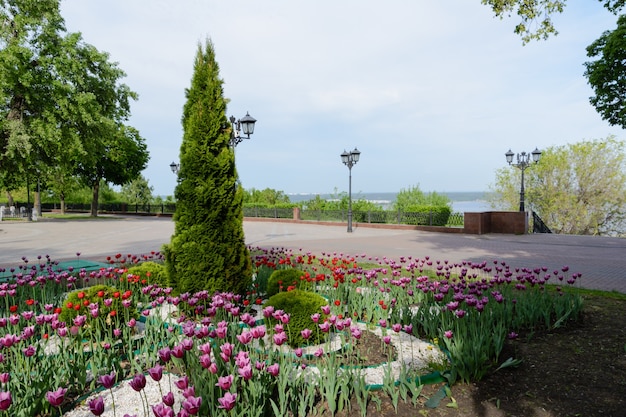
(601, 260)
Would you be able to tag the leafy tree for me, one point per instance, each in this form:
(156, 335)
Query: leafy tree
(576, 189)
(207, 250)
(97, 106)
(30, 32)
(267, 196)
(61, 104)
(339, 201)
(607, 74)
(413, 197)
(137, 191)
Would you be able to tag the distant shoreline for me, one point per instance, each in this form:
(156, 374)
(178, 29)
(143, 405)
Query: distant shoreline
(462, 201)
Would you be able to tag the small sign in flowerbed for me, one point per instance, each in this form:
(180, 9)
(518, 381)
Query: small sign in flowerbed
(62, 338)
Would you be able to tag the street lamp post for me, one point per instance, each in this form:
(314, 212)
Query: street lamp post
(350, 159)
(523, 161)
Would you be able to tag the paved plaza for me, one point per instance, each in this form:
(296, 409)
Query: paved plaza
(601, 260)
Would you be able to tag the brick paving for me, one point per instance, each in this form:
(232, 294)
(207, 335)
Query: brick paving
(601, 260)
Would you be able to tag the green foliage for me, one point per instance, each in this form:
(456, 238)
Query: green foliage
(207, 250)
(412, 199)
(339, 201)
(109, 316)
(267, 197)
(576, 188)
(535, 17)
(137, 191)
(283, 278)
(62, 108)
(152, 272)
(607, 73)
(427, 215)
(300, 305)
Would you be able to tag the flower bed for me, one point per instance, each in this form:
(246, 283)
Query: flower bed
(228, 363)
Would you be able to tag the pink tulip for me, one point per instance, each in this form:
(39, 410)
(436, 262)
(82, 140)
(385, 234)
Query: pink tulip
(56, 398)
(224, 382)
(227, 402)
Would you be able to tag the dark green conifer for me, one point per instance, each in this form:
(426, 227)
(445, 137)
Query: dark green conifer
(207, 250)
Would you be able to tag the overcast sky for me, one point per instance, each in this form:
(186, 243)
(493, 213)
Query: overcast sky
(431, 92)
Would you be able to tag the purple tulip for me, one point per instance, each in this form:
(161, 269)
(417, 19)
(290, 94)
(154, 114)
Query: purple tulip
(244, 338)
(107, 380)
(96, 406)
(138, 382)
(227, 402)
(178, 351)
(29, 351)
(165, 354)
(168, 399)
(280, 338)
(182, 383)
(192, 405)
(156, 372)
(5, 400)
(224, 382)
(56, 398)
(162, 410)
(245, 372)
(274, 369)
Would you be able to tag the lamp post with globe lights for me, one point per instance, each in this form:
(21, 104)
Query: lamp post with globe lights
(350, 159)
(523, 161)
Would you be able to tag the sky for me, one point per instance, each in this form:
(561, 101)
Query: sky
(432, 93)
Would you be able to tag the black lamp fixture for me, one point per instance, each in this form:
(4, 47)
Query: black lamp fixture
(244, 125)
(523, 161)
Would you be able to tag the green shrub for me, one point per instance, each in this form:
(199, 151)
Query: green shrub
(109, 317)
(426, 215)
(285, 278)
(151, 272)
(300, 305)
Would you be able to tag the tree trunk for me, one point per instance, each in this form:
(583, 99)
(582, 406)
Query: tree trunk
(10, 201)
(62, 197)
(94, 200)
(37, 202)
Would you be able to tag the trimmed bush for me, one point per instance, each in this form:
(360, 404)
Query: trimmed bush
(300, 305)
(111, 316)
(426, 215)
(151, 272)
(286, 278)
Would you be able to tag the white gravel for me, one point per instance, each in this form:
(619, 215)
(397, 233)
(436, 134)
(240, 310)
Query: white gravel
(130, 402)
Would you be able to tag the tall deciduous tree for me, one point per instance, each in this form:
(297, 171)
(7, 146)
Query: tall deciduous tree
(138, 191)
(207, 250)
(30, 34)
(412, 197)
(61, 104)
(576, 189)
(607, 74)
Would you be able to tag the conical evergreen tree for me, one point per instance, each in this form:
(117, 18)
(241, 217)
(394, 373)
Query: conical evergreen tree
(207, 250)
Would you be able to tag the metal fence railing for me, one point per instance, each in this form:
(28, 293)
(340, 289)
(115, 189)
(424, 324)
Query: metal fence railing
(372, 216)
